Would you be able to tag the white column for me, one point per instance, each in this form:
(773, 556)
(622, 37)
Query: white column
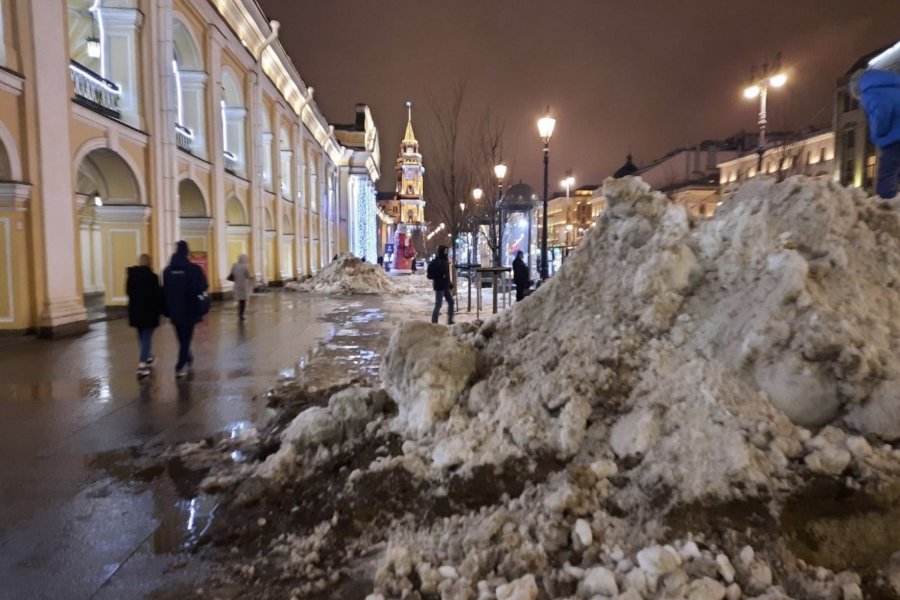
(3, 37)
(302, 213)
(162, 96)
(63, 308)
(122, 27)
(218, 271)
(255, 168)
(97, 281)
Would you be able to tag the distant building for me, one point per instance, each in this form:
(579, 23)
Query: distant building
(856, 157)
(810, 154)
(568, 219)
(689, 175)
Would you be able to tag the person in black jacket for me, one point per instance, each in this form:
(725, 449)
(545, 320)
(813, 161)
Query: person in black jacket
(145, 304)
(183, 286)
(521, 275)
(439, 274)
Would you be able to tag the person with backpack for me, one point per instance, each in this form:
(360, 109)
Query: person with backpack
(184, 288)
(879, 94)
(439, 274)
(243, 283)
(145, 305)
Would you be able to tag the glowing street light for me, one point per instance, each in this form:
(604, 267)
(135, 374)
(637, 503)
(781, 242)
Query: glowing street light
(477, 193)
(499, 173)
(769, 75)
(546, 125)
(568, 182)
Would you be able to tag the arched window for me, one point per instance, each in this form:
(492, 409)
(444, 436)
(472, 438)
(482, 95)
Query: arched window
(190, 88)
(234, 117)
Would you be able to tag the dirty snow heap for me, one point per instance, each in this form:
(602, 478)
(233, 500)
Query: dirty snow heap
(347, 275)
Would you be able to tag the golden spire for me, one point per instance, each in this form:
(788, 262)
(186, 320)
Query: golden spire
(409, 136)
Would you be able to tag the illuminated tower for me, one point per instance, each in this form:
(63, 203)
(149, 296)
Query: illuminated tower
(410, 193)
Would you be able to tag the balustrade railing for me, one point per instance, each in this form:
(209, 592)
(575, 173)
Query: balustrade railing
(230, 162)
(184, 137)
(95, 92)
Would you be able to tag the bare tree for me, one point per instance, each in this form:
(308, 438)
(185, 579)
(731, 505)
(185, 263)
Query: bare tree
(488, 151)
(787, 157)
(450, 169)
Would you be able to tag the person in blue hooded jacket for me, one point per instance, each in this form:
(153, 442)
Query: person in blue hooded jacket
(879, 94)
(183, 285)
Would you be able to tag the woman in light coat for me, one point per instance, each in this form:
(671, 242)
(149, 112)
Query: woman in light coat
(243, 283)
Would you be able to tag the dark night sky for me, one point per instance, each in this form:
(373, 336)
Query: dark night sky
(649, 75)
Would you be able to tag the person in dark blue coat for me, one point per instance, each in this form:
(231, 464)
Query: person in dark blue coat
(879, 93)
(439, 274)
(183, 286)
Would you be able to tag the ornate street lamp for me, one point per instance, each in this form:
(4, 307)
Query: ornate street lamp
(770, 75)
(545, 124)
(499, 173)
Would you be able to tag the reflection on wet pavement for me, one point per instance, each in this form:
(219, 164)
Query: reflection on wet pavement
(80, 519)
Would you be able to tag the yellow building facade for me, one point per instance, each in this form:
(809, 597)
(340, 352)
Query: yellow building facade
(126, 125)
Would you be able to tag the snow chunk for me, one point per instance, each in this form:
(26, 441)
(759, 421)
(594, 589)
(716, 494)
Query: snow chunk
(523, 588)
(424, 370)
(659, 560)
(598, 580)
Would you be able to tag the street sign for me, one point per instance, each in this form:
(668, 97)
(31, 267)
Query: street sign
(388, 248)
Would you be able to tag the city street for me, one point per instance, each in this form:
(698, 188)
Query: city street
(75, 526)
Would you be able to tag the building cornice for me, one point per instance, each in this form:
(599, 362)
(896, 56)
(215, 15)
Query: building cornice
(11, 83)
(14, 196)
(196, 224)
(248, 22)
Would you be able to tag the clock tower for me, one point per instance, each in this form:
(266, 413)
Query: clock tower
(410, 194)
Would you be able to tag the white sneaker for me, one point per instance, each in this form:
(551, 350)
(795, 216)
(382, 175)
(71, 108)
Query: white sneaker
(181, 373)
(143, 370)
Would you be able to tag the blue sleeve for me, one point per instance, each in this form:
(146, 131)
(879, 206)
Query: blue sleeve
(878, 112)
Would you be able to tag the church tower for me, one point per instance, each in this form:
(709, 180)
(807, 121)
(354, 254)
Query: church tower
(410, 172)
(410, 194)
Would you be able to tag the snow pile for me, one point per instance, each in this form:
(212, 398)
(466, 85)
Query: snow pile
(698, 348)
(308, 439)
(347, 275)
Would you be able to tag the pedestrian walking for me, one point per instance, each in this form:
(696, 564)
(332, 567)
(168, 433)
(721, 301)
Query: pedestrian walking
(145, 305)
(879, 94)
(521, 276)
(184, 288)
(439, 274)
(243, 283)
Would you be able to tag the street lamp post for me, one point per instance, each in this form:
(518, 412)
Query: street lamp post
(759, 86)
(545, 125)
(499, 173)
(477, 194)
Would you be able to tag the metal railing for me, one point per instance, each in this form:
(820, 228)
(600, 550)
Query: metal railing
(94, 92)
(184, 137)
(230, 162)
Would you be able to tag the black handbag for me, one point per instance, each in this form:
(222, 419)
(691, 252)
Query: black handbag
(230, 277)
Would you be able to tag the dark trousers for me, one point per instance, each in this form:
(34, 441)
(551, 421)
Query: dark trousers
(145, 338)
(439, 296)
(520, 292)
(888, 171)
(242, 305)
(185, 332)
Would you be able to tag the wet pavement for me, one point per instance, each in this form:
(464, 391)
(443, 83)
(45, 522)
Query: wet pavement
(67, 527)
(72, 526)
